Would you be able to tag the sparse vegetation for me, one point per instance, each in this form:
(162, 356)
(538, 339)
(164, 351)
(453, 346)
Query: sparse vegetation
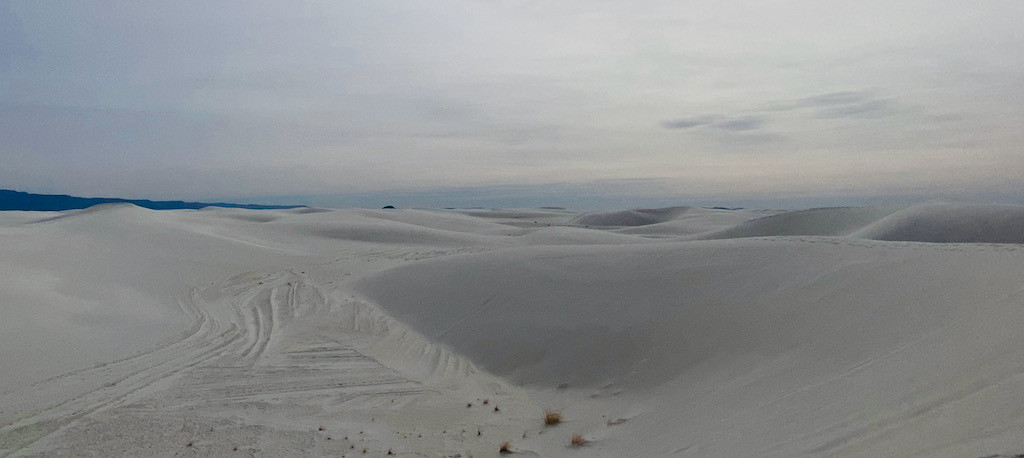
(552, 418)
(577, 440)
(506, 448)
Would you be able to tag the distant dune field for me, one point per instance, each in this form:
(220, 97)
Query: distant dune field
(682, 331)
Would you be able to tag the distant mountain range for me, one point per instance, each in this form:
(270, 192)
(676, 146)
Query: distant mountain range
(17, 200)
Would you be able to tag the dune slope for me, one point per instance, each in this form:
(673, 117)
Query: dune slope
(950, 223)
(760, 347)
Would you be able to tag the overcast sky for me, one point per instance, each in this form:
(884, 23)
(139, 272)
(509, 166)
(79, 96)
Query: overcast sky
(730, 100)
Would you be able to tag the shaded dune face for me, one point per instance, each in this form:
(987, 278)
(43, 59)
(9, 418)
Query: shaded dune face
(950, 223)
(644, 314)
(639, 217)
(934, 223)
(818, 221)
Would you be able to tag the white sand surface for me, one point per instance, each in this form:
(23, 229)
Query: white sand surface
(661, 332)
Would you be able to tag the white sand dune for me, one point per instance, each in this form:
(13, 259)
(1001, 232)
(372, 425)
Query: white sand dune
(950, 223)
(664, 332)
(697, 221)
(808, 333)
(639, 217)
(937, 223)
(839, 221)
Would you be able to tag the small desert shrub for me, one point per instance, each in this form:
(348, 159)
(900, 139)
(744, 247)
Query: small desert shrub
(577, 440)
(552, 418)
(506, 448)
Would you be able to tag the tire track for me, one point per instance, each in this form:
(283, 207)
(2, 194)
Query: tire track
(110, 383)
(232, 352)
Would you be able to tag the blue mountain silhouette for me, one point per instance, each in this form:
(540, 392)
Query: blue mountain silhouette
(17, 200)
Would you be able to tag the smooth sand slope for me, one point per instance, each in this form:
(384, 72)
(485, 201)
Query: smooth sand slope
(658, 332)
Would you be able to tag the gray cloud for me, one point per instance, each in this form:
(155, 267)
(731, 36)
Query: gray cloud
(718, 122)
(877, 108)
(688, 123)
(743, 124)
(842, 104)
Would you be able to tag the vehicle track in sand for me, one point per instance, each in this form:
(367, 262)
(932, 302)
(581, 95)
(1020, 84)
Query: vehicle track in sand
(233, 355)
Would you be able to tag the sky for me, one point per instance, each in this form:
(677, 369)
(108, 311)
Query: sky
(514, 102)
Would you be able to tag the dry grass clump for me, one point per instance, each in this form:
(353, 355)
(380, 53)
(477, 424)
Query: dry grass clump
(506, 448)
(577, 440)
(552, 418)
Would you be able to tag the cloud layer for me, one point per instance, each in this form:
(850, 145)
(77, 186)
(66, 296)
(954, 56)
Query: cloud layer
(237, 99)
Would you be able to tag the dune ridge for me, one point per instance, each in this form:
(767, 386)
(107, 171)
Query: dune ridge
(950, 223)
(934, 223)
(638, 217)
(836, 221)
